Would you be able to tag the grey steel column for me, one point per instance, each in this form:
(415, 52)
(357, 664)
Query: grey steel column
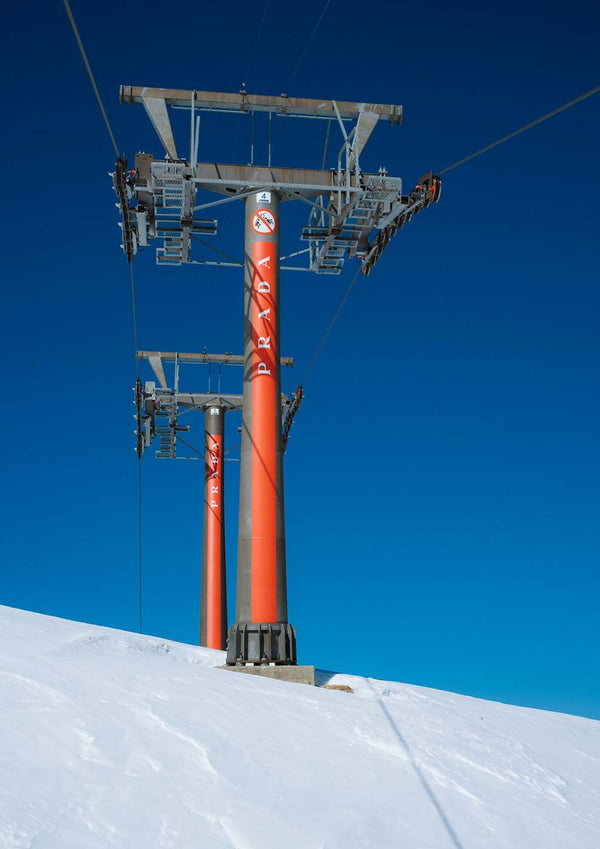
(261, 633)
(213, 598)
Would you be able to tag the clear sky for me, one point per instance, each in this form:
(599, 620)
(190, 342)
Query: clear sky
(442, 477)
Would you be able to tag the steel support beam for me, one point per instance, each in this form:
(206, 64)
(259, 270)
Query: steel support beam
(202, 357)
(200, 401)
(157, 367)
(243, 102)
(226, 179)
(157, 112)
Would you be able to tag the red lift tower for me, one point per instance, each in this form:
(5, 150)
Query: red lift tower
(353, 214)
(213, 590)
(158, 410)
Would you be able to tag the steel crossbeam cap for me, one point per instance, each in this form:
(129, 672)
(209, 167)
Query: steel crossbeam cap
(242, 102)
(202, 357)
(202, 400)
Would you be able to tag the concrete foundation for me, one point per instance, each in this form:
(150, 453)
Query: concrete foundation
(293, 674)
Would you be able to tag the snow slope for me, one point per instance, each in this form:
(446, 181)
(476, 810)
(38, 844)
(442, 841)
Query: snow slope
(110, 739)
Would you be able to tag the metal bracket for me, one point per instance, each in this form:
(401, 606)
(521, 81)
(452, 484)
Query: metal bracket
(158, 409)
(352, 213)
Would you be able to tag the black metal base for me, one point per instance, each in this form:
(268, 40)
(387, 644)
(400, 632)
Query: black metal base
(261, 643)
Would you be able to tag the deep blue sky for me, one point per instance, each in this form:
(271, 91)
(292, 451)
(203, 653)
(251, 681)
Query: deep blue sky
(442, 479)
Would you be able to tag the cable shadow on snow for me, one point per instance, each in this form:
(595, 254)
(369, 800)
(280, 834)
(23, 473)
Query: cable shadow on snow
(424, 783)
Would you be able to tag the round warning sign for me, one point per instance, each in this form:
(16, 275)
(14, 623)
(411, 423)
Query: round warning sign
(263, 222)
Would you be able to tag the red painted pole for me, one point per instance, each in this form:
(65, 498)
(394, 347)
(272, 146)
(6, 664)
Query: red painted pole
(261, 633)
(213, 601)
(265, 433)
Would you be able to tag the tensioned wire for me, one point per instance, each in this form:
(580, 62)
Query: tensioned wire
(132, 277)
(91, 75)
(476, 153)
(521, 129)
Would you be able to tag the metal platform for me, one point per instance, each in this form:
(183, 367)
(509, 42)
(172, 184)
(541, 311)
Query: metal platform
(349, 210)
(159, 407)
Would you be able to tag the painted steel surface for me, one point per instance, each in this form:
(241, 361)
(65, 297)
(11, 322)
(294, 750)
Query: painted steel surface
(264, 435)
(261, 587)
(213, 602)
(243, 102)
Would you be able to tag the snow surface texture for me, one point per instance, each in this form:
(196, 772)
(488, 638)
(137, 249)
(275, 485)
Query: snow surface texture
(110, 739)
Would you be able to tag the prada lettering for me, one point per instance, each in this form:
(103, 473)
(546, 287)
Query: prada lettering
(263, 309)
(214, 470)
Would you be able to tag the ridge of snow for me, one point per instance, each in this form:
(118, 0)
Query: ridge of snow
(113, 739)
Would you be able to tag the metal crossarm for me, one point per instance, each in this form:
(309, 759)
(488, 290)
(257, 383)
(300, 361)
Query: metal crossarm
(244, 102)
(158, 407)
(353, 214)
(202, 357)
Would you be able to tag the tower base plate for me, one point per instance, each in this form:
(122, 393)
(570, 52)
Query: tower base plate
(293, 674)
(262, 643)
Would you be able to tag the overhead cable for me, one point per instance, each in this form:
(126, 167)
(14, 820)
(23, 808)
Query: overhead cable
(217, 250)
(521, 129)
(528, 126)
(133, 309)
(191, 447)
(327, 134)
(67, 6)
(256, 40)
(133, 304)
(310, 38)
(200, 453)
(140, 543)
(330, 328)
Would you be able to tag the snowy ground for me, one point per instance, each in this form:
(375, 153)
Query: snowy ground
(110, 739)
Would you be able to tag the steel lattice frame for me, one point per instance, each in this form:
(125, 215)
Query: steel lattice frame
(353, 214)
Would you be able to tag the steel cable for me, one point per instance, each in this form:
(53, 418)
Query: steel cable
(91, 75)
(330, 328)
(310, 38)
(137, 366)
(134, 312)
(133, 303)
(521, 130)
(445, 171)
(140, 542)
(256, 40)
(191, 447)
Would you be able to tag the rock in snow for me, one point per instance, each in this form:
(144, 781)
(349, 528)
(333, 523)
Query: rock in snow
(110, 739)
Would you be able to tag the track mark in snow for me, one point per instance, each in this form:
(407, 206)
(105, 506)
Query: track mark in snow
(89, 751)
(138, 764)
(54, 695)
(85, 642)
(168, 838)
(12, 837)
(521, 769)
(230, 836)
(205, 761)
(382, 744)
(586, 755)
(122, 642)
(444, 780)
